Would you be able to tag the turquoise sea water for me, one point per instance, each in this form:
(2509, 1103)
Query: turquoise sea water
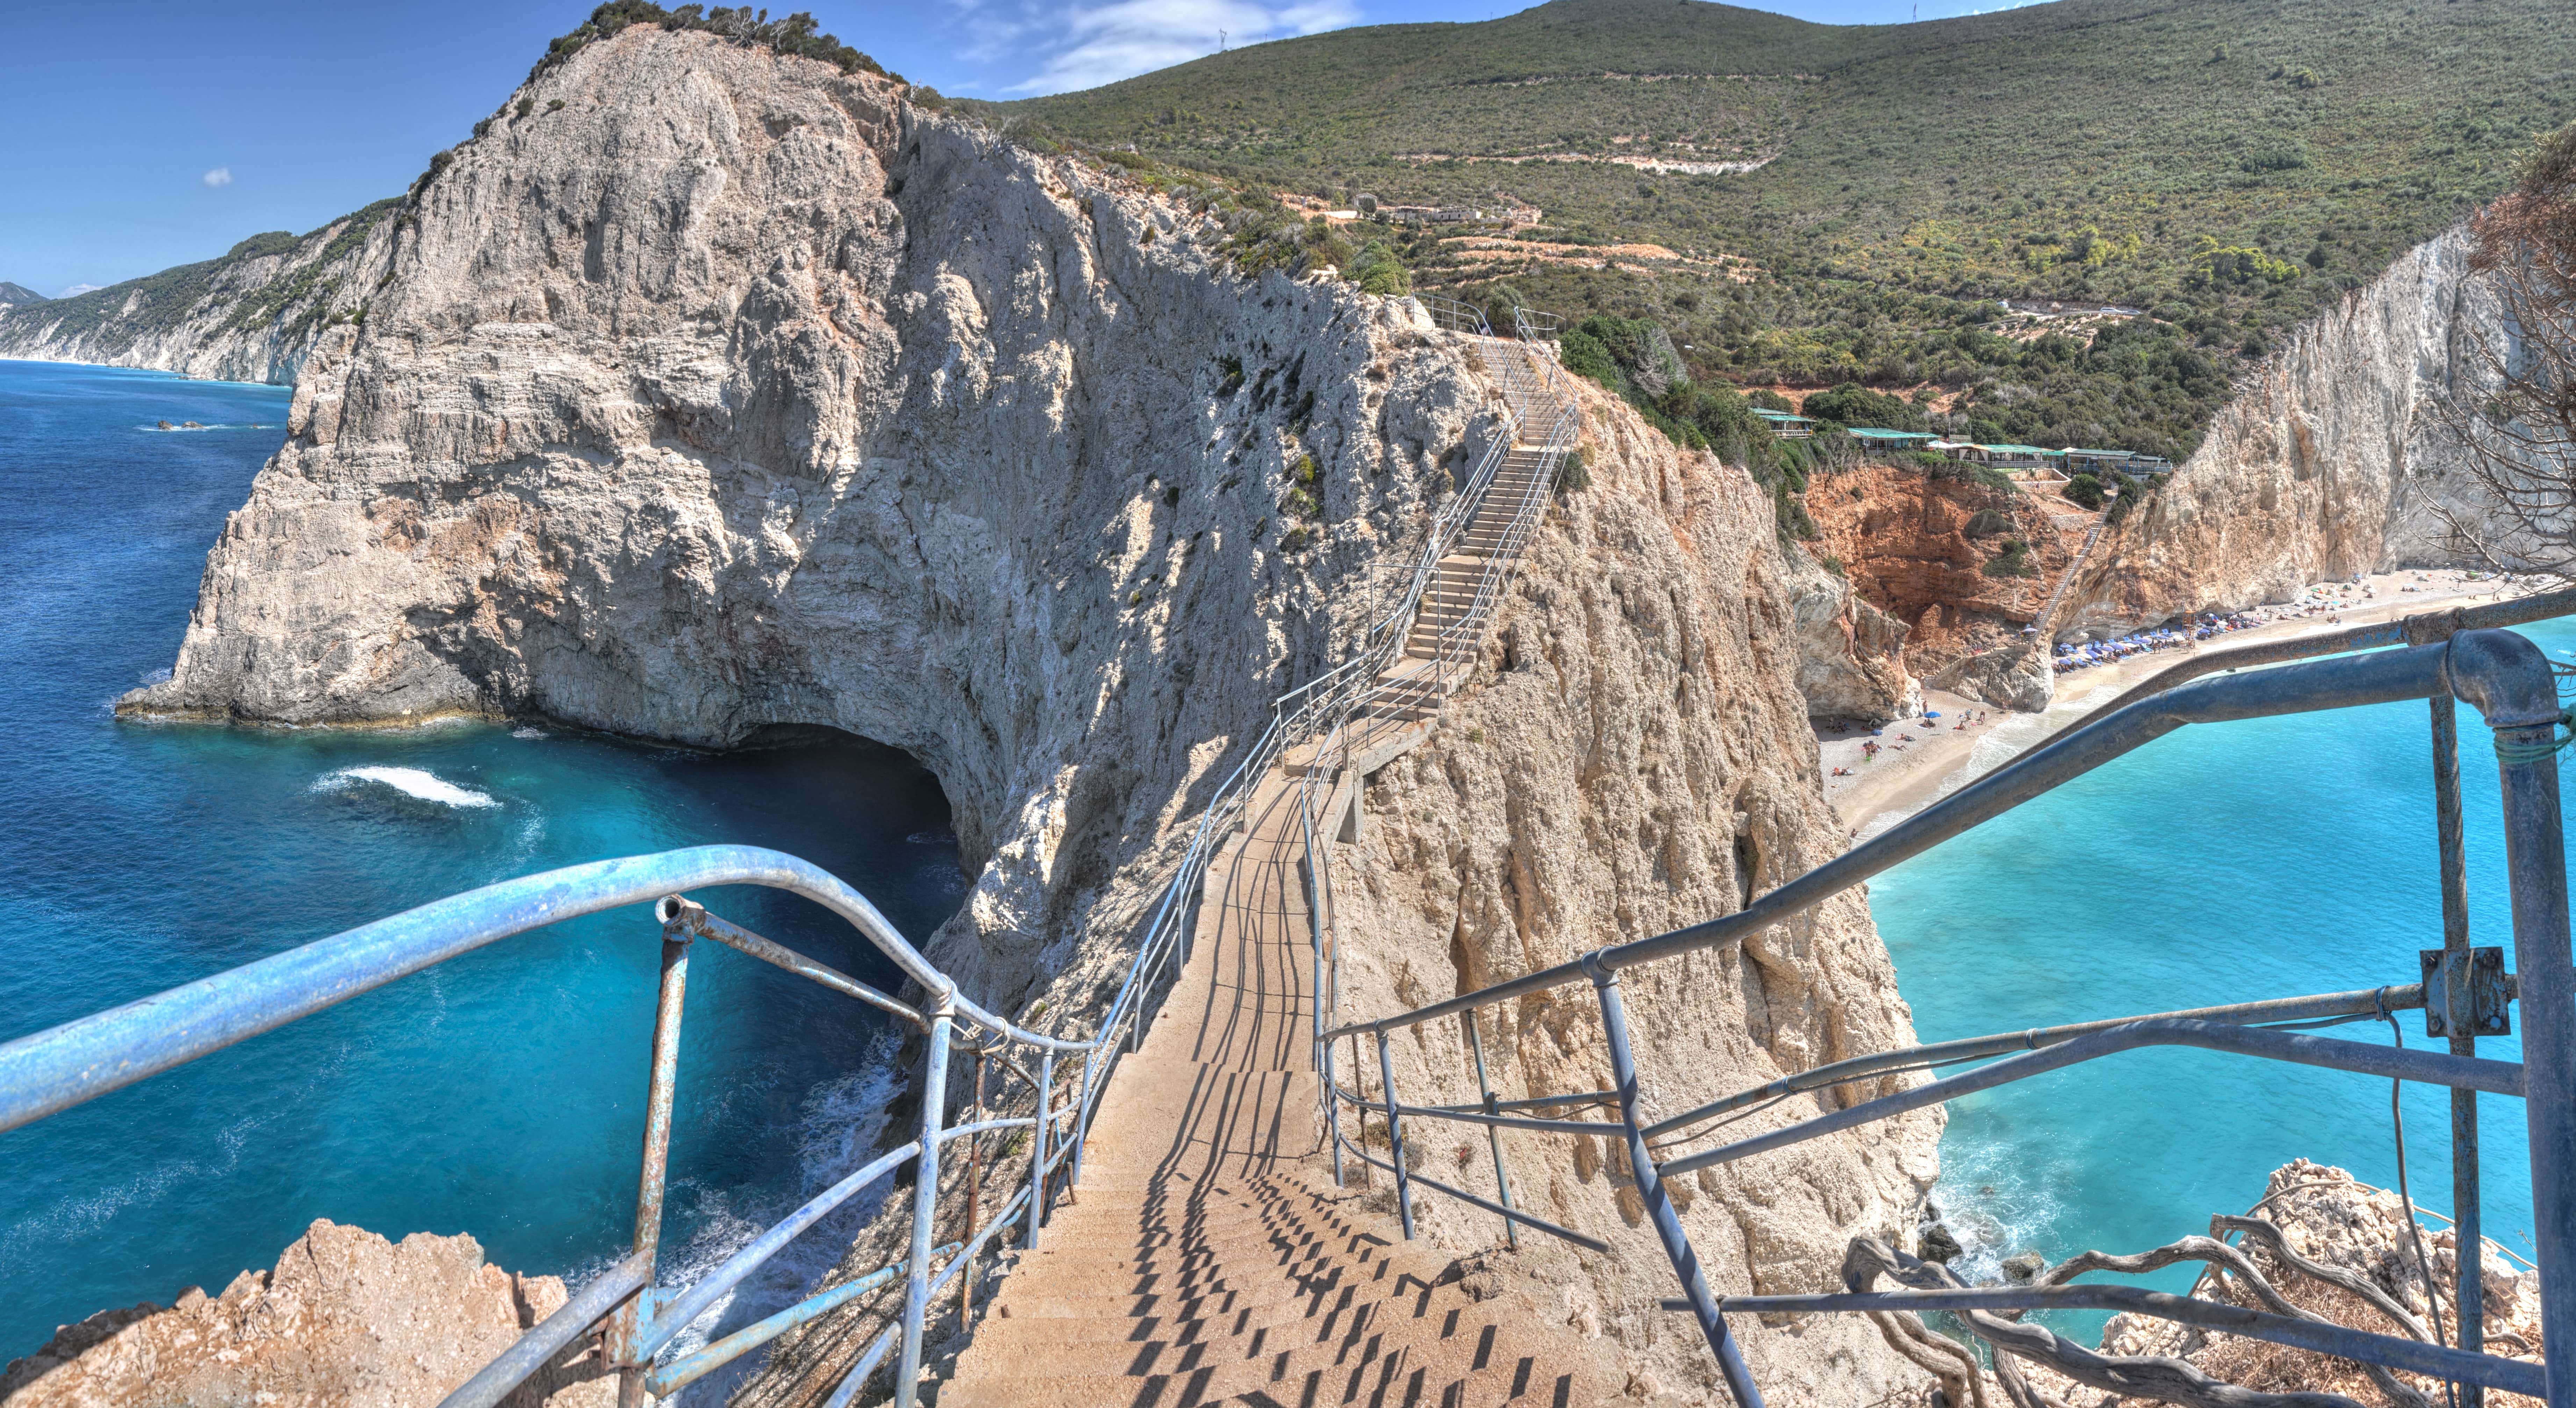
(498, 1094)
(2222, 863)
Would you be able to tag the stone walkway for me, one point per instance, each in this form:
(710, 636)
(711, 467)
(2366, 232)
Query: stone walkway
(1207, 1257)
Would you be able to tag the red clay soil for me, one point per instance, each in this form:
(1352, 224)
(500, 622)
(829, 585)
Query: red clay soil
(1904, 537)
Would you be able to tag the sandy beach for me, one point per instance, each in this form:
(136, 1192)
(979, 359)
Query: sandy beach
(1921, 761)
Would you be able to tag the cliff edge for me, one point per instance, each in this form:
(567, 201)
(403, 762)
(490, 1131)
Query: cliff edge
(714, 392)
(2333, 460)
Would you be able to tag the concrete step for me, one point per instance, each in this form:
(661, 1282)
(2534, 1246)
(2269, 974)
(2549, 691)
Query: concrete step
(1397, 1373)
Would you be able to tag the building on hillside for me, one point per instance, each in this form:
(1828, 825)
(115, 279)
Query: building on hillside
(1786, 426)
(2019, 456)
(1999, 456)
(2128, 462)
(1883, 441)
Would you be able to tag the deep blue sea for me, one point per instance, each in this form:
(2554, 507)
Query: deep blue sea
(2222, 863)
(499, 1094)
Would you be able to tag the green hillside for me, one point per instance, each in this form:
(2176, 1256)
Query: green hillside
(2231, 165)
(18, 293)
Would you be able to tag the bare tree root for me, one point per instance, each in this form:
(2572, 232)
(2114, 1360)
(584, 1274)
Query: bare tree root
(1945, 1359)
(2352, 1283)
(2021, 1391)
(2228, 1261)
(2131, 1376)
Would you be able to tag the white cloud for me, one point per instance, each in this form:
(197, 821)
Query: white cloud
(1084, 46)
(78, 288)
(218, 178)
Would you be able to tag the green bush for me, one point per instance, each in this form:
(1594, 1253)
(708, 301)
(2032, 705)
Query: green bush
(1789, 515)
(1574, 472)
(2013, 561)
(1854, 404)
(797, 35)
(2085, 491)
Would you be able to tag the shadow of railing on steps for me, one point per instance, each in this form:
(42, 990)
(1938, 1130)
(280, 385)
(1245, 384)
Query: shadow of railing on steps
(2446, 656)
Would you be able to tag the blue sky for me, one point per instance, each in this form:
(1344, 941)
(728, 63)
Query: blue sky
(145, 135)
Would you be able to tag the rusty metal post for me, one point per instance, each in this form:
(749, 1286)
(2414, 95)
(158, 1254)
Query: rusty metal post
(2507, 679)
(1333, 1112)
(626, 1328)
(925, 1204)
(2467, 1302)
(1359, 1105)
(1659, 1204)
(1395, 1137)
(1038, 1149)
(974, 1192)
(1493, 1133)
(1081, 1120)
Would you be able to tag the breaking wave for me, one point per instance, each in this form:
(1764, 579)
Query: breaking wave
(419, 784)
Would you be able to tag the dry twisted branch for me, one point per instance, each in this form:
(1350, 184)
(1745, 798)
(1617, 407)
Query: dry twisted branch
(1945, 1359)
(2133, 1376)
(2353, 1283)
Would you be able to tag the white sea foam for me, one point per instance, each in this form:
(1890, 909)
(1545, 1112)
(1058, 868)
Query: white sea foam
(418, 783)
(529, 731)
(838, 1130)
(1996, 1202)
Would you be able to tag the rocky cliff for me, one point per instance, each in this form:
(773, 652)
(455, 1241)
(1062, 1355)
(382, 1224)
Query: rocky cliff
(1632, 755)
(252, 315)
(1934, 551)
(814, 408)
(346, 1320)
(2331, 461)
(713, 393)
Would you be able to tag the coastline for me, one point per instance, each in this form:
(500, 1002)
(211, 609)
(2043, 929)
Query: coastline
(1939, 760)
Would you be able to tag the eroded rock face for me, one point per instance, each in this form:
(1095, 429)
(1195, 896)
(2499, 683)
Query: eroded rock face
(1851, 655)
(1633, 756)
(811, 408)
(346, 1320)
(1916, 545)
(738, 394)
(2331, 461)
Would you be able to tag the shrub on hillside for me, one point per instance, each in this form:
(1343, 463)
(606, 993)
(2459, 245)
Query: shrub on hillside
(797, 35)
(1854, 404)
(2085, 491)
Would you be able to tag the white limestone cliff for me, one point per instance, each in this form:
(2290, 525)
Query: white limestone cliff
(738, 395)
(2331, 461)
(252, 315)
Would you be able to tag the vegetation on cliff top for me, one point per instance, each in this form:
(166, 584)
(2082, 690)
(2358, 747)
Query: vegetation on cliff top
(798, 34)
(2229, 168)
(303, 284)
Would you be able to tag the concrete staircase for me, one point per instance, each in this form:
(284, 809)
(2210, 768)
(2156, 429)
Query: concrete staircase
(2046, 620)
(1207, 1258)
(1411, 687)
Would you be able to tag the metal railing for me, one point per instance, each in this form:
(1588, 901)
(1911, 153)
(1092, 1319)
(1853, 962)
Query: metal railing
(80, 1060)
(1451, 315)
(2447, 656)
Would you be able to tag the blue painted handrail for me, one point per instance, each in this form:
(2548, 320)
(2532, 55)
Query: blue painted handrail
(84, 1059)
